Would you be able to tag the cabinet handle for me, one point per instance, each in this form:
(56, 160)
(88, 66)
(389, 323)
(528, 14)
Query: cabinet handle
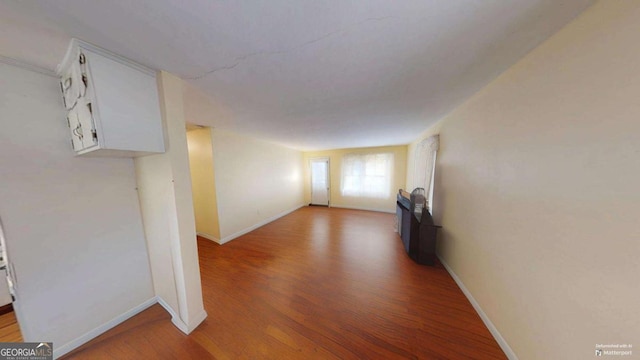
(64, 100)
(78, 132)
(66, 84)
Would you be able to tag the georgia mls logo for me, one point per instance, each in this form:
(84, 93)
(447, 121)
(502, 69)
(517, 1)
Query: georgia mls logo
(598, 352)
(26, 351)
(45, 345)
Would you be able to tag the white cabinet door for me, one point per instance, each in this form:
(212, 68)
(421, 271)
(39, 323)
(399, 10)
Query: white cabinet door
(72, 82)
(113, 103)
(75, 128)
(87, 125)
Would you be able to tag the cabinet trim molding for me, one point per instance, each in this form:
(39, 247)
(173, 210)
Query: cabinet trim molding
(76, 43)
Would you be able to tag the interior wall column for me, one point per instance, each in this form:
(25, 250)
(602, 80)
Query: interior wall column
(164, 187)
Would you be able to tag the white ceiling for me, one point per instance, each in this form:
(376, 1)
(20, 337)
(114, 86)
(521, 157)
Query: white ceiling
(309, 74)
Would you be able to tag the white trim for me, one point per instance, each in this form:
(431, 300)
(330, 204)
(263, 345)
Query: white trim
(209, 237)
(226, 239)
(363, 208)
(175, 318)
(485, 319)
(77, 342)
(195, 322)
(27, 66)
(178, 322)
(328, 160)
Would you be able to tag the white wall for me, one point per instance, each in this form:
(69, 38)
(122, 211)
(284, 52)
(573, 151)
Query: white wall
(167, 208)
(255, 182)
(73, 225)
(537, 189)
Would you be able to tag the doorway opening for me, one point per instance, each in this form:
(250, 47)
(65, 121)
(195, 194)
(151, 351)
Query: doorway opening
(203, 183)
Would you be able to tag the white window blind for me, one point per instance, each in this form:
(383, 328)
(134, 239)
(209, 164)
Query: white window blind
(425, 161)
(366, 175)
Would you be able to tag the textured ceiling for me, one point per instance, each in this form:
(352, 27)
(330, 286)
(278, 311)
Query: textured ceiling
(307, 74)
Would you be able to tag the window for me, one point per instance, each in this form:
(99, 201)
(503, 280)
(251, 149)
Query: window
(425, 161)
(366, 175)
(431, 185)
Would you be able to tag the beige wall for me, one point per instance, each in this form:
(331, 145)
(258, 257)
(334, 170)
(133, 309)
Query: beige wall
(256, 182)
(335, 172)
(203, 183)
(537, 189)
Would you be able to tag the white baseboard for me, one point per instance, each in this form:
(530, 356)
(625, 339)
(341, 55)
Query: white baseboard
(73, 344)
(364, 208)
(177, 321)
(226, 239)
(209, 237)
(196, 321)
(485, 319)
(175, 318)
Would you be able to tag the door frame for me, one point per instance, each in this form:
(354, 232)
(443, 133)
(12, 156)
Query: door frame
(328, 160)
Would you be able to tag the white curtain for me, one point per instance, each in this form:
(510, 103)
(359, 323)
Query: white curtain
(425, 162)
(366, 175)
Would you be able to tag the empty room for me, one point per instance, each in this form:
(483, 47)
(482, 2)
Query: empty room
(319, 179)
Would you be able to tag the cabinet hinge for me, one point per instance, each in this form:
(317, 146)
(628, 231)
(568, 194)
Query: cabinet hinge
(95, 135)
(82, 59)
(64, 101)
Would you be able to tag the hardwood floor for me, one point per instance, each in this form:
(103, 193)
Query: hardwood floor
(9, 329)
(320, 283)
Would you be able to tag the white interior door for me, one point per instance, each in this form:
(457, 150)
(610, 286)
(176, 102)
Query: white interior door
(320, 182)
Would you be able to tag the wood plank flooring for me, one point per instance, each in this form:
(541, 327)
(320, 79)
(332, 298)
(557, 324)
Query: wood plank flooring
(320, 283)
(9, 329)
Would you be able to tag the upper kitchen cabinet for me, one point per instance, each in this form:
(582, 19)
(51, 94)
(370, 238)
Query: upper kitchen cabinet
(112, 103)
